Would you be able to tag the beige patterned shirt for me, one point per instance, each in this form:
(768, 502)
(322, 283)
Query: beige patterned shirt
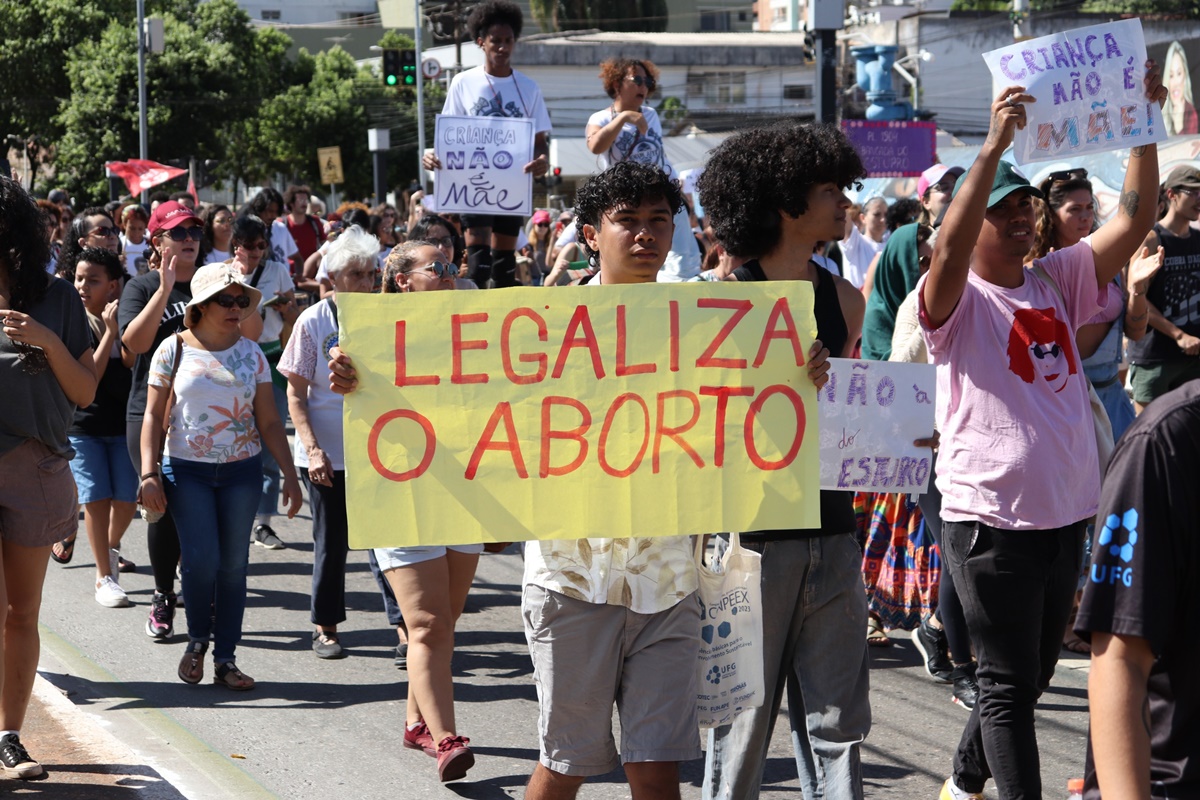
(646, 575)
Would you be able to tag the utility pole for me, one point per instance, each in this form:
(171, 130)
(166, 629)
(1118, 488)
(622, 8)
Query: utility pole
(143, 127)
(825, 19)
(419, 23)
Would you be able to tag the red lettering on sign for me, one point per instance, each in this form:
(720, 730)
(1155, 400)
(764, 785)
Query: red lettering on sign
(575, 434)
(377, 430)
(780, 312)
(622, 368)
(675, 433)
(723, 393)
(571, 340)
(748, 430)
(673, 338)
(458, 344)
(621, 400)
(510, 445)
(402, 376)
(525, 358)
(740, 309)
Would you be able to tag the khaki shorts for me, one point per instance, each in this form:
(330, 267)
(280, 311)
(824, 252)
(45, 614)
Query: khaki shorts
(38, 504)
(588, 656)
(1150, 381)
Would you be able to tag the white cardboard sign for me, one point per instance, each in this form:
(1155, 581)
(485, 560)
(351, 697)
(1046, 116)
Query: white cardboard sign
(870, 412)
(1090, 93)
(483, 165)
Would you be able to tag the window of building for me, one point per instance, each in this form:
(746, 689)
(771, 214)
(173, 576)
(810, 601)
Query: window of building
(714, 21)
(270, 13)
(798, 92)
(718, 88)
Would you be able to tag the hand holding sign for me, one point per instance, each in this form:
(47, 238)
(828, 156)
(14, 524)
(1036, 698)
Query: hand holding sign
(1008, 115)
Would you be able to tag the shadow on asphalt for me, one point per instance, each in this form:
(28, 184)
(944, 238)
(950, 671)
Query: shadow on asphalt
(78, 782)
(901, 654)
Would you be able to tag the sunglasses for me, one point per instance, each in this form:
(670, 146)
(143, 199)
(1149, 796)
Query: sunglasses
(542, 224)
(231, 300)
(1079, 174)
(181, 234)
(638, 80)
(254, 246)
(442, 269)
(222, 220)
(443, 241)
(104, 230)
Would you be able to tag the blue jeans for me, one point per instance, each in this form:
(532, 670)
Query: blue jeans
(213, 506)
(815, 613)
(268, 504)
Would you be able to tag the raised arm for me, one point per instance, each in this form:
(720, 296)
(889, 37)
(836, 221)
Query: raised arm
(1118, 239)
(964, 219)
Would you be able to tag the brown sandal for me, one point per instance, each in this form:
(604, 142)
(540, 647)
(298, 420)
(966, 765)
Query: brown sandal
(191, 666)
(229, 676)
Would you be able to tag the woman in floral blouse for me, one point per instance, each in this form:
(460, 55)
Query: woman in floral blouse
(222, 411)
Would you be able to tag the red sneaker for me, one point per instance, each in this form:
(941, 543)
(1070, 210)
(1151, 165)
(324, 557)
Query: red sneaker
(454, 758)
(420, 739)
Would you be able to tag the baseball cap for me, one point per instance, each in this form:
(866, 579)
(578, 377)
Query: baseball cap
(541, 216)
(1008, 180)
(209, 280)
(933, 175)
(168, 215)
(1183, 177)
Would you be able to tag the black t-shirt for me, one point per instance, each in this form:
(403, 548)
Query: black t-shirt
(106, 415)
(134, 298)
(1175, 292)
(837, 508)
(1143, 580)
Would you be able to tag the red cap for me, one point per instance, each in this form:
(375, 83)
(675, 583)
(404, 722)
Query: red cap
(168, 215)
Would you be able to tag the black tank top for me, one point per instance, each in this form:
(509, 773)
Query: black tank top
(837, 508)
(1174, 291)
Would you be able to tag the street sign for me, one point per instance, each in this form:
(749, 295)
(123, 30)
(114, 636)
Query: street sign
(431, 68)
(330, 160)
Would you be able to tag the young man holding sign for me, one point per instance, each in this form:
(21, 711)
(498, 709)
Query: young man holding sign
(1018, 469)
(496, 90)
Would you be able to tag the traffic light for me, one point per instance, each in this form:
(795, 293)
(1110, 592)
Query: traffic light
(554, 178)
(400, 68)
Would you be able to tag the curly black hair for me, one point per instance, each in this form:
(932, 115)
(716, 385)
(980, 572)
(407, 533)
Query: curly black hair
(100, 257)
(495, 12)
(903, 212)
(24, 251)
(754, 176)
(625, 184)
(247, 228)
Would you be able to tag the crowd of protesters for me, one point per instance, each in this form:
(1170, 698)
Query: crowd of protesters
(152, 356)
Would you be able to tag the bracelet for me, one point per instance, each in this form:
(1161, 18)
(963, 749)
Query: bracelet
(149, 475)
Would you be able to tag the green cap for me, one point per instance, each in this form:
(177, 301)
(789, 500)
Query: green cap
(1008, 180)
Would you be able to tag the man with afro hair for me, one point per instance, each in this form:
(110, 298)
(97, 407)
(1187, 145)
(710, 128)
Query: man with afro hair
(495, 89)
(770, 195)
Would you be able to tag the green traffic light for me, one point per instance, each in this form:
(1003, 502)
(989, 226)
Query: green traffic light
(391, 80)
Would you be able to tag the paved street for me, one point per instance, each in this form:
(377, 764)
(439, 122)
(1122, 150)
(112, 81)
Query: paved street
(321, 729)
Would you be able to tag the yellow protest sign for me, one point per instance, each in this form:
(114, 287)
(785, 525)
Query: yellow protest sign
(571, 412)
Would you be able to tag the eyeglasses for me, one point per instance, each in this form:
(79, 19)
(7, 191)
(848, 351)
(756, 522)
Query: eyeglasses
(638, 80)
(1079, 174)
(1188, 192)
(443, 241)
(254, 246)
(441, 269)
(104, 230)
(222, 220)
(181, 234)
(231, 300)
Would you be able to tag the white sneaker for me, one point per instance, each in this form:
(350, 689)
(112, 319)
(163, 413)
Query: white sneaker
(110, 594)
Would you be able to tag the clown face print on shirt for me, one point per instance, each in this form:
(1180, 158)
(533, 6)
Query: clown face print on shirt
(1040, 347)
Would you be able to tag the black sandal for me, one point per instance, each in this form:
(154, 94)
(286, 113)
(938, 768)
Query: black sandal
(68, 548)
(229, 676)
(191, 666)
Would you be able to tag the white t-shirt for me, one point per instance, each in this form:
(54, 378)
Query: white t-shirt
(632, 145)
(212, 419)
(306, 356)
(216, 255)
(283, 246)
(132, 253)
(276, 277)
(566, 237)
(857, 253)
(474, 93)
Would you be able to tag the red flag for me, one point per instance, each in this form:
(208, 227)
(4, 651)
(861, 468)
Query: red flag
(191, 189)
(140, 175)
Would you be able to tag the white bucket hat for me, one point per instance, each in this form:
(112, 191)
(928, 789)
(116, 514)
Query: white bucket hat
(209, 280)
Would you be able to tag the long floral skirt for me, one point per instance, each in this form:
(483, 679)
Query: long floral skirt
(901, 563)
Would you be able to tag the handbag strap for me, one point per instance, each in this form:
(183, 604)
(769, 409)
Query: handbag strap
(166, 426)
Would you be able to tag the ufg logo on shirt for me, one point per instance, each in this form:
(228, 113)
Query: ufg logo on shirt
(1109, 538)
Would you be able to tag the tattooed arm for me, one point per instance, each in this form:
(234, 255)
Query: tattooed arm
(1119, 239)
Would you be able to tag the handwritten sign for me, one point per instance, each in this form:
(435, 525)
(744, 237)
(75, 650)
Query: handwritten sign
(893, 149)
(605, 411)
(871, 411)
(1089, 88)
(483, 165)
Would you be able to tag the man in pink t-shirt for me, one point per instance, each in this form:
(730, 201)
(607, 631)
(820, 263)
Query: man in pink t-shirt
(1018, 464)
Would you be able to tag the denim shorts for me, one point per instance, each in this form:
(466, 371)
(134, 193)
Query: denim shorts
(102, 469)
(393, 557)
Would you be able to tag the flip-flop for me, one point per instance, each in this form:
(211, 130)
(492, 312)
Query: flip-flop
(876, 637)
(68, 548)
(1076, 645)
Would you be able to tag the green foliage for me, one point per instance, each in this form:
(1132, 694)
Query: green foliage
(395, 40)
(1189, 9)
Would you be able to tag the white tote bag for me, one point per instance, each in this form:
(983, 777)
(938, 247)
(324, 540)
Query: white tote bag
(731, 637)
